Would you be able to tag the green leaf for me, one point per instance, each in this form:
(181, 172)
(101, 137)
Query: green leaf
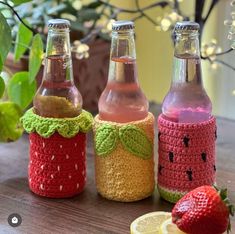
(2, 86)
(17, 2)
(35, 57)
(105, 139)
(94, 4)
(1, 63)
(78, 26)
(10, 129)
(20, 90)
(23, 39)
(87, 15)
(5, 38)
(135, 141)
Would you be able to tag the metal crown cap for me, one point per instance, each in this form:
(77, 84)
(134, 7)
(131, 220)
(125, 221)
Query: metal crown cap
(123, 25)
(186, 26)
(58, 23)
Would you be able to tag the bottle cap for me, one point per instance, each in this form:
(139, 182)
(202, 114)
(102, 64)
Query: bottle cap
(186, 26)
(123, 25)
(58, 23)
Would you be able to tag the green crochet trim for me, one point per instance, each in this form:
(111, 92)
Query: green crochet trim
(131, 137)
(66, 127)
(167, 195)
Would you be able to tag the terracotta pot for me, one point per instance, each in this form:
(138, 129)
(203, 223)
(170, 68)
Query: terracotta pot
(90, 75)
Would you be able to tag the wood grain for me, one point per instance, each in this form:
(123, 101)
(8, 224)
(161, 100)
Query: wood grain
(88, 212)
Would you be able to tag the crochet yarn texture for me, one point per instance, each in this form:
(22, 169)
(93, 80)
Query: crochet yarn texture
(66, 127)
(124, 163)
(186, 157)
(57, 164)
(132, 138)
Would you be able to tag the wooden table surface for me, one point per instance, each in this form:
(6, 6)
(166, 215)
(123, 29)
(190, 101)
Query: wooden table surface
(88, 212)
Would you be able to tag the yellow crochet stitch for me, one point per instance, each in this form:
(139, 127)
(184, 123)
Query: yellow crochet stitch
(121, 176)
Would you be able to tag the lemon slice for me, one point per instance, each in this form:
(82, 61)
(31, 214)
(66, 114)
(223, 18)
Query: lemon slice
(149, 223)
(168, 227)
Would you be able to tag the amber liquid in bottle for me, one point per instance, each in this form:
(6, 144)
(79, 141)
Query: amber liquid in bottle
(57, 97)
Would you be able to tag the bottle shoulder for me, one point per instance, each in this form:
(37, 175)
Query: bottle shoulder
(58, 102)
(187, 106)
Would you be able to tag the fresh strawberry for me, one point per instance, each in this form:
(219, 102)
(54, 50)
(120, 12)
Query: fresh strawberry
(204, 210)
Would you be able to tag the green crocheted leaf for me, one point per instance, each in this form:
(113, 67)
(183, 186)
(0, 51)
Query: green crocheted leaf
(105, 139)
(135, 141)
(66, 127)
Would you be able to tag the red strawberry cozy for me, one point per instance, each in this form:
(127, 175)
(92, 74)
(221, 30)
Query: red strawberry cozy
(57, 163)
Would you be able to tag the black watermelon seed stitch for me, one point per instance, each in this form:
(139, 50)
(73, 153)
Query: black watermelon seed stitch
(214, 168)
(190, 174)
(159, 135)
(186, 141)
(160, 169)
(171, 157)
(216, 134)
(204, 156)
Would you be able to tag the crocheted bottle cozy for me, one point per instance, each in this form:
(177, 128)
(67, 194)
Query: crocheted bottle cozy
(186, 157)
(124, 165)
(57, 164)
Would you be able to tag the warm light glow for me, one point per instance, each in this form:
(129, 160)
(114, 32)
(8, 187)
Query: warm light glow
(77, 4)
(211, 49)
(81, 50)
(108, 27)
(214, 66)
(168, 21)
(165, 24)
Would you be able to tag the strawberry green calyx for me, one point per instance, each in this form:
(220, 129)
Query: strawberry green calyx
(223, 192)
(66, 127)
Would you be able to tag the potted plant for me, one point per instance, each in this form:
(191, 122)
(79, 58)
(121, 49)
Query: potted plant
(23, 34)
(83, 18)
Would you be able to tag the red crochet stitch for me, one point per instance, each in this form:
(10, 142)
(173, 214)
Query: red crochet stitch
(57, 166)
(186, 155)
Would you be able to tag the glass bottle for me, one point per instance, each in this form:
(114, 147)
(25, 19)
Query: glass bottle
(57, 96)
(122, 100)
(187, 100)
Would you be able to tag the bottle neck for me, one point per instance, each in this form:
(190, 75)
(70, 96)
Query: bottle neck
(58, 63)
(187, 62)
(122, 67)
(123, 44)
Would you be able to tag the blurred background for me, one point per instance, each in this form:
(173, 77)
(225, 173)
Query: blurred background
(155, 53)
(23, 35)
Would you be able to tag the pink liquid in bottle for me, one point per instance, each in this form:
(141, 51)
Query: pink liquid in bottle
(122, 100)
(187, 100)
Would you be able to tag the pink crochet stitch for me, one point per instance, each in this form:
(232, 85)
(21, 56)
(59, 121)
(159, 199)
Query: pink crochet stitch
(186, 156)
